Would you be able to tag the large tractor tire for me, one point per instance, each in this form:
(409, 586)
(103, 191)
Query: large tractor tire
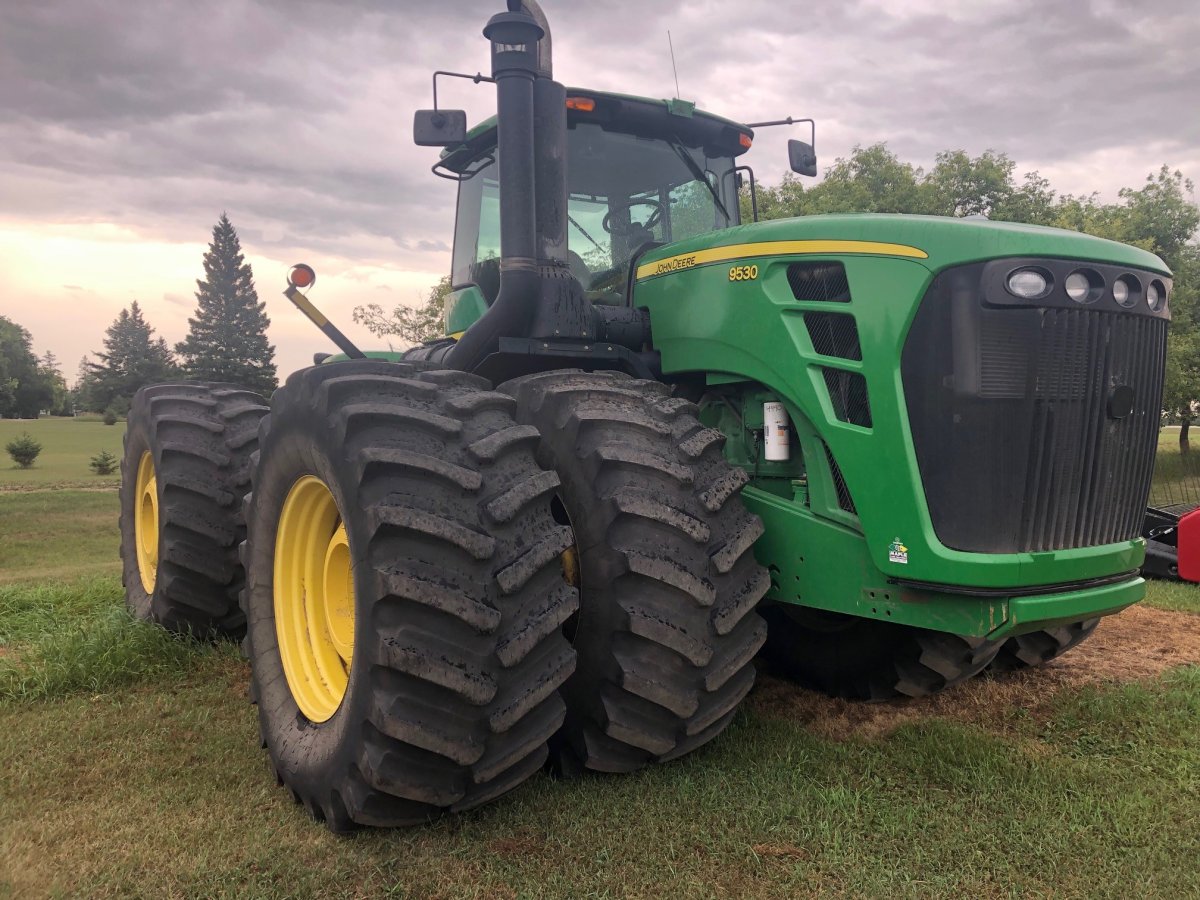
(185, 470)
(864, 659)
(404, 595)
(1037, 647)
(667, 631)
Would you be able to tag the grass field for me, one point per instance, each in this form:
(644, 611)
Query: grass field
(67, 445)
(131, 767)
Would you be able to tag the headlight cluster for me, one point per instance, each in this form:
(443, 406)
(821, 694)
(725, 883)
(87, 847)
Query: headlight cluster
(1085, 286)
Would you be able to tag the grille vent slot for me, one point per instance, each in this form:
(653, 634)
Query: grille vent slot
(833, 334)
(848, 394)
(845, 501)
(819, 282)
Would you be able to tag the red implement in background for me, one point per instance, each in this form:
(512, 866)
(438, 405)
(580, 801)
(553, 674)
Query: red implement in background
(1188, 546)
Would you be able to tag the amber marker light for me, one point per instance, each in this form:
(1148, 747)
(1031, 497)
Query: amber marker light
(301, 276)
(583, 104)
(745, 140)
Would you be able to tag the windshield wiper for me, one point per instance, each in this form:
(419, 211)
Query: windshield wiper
(571, 219)
(698, 174)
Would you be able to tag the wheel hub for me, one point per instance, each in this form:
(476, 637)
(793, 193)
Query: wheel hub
(145, 522)
(314, 598)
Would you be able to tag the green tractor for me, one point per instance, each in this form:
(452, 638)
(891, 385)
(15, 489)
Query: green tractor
(888, 452)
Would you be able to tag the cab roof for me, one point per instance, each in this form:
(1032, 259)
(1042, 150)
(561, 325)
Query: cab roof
(675, 119)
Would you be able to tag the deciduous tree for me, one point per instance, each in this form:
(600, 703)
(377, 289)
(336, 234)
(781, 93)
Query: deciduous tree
(411, 324)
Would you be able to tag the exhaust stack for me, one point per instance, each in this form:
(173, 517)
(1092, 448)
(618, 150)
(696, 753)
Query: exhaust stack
(538, 296)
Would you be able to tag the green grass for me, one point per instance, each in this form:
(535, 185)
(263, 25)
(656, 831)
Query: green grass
(67, 638)
(67, 446)
(58, 534)
(1176, 475)
(1173, 596)
(132, 767)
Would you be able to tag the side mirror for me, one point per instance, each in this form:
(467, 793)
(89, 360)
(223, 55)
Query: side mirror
(439, 127)
(802, 158)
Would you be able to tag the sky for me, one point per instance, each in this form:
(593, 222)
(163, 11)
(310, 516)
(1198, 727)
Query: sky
(126, 129)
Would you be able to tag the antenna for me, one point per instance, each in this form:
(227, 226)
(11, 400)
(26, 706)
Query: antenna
(673, 69)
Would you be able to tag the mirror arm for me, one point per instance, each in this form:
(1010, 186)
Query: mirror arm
(477, 77)
(753, 190)
(812, 139)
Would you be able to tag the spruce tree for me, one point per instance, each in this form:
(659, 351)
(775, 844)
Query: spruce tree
(132, 359)
(227, 338)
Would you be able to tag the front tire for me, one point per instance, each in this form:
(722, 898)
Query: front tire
(185, 470)
(667, 632)
(864, 659)
(449, 686)
(1037, 647)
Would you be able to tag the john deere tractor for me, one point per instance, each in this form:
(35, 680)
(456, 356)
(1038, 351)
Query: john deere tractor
(897, 450)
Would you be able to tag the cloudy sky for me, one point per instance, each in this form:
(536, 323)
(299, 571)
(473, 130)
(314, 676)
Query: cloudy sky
(127, 128)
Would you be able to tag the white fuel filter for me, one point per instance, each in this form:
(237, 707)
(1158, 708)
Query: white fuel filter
(775, 427)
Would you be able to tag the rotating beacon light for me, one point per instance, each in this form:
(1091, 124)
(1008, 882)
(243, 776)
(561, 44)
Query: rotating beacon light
(775, 426)
(302, 276)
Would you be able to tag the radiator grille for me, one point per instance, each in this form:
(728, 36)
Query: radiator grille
(1089, 474)
(1021, 422)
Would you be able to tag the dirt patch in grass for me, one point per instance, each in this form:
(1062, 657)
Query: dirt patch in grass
(521, 844)
(1135, 645)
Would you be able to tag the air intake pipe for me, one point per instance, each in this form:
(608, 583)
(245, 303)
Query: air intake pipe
(538, 296)
(514, 36)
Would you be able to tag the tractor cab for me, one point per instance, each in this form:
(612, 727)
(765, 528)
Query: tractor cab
(640, 174)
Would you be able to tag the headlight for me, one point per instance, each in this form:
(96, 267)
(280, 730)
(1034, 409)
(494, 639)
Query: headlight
(1084, 285)
(1156, 296)
(1077, 286)
(1125, 290)
(1028, 284)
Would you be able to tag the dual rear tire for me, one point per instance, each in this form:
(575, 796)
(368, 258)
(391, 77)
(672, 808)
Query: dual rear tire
(185, 469)
(412, 577)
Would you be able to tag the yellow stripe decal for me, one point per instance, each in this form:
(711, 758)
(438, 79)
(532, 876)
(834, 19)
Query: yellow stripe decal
(456, 335)
(305, 306)
(773, 248)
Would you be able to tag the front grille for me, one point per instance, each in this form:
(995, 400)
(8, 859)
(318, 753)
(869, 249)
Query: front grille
(1020, 418)
(1089, 475)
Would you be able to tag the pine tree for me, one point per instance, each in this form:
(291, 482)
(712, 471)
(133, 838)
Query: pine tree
(227, 338)
(60, 402)
(133, 358)
(85, 379)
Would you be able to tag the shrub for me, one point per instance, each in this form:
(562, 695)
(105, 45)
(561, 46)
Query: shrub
(23, 449)
(110, 416)
(104, 463)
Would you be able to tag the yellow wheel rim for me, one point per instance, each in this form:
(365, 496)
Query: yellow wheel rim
(145, 522)
(314, 598)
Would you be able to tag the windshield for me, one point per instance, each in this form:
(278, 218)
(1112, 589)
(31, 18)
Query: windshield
(624, 193)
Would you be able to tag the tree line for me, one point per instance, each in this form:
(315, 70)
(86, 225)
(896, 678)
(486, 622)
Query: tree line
(226, 341)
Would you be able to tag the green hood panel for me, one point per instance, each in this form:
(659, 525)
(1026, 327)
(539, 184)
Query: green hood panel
(947, 241)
